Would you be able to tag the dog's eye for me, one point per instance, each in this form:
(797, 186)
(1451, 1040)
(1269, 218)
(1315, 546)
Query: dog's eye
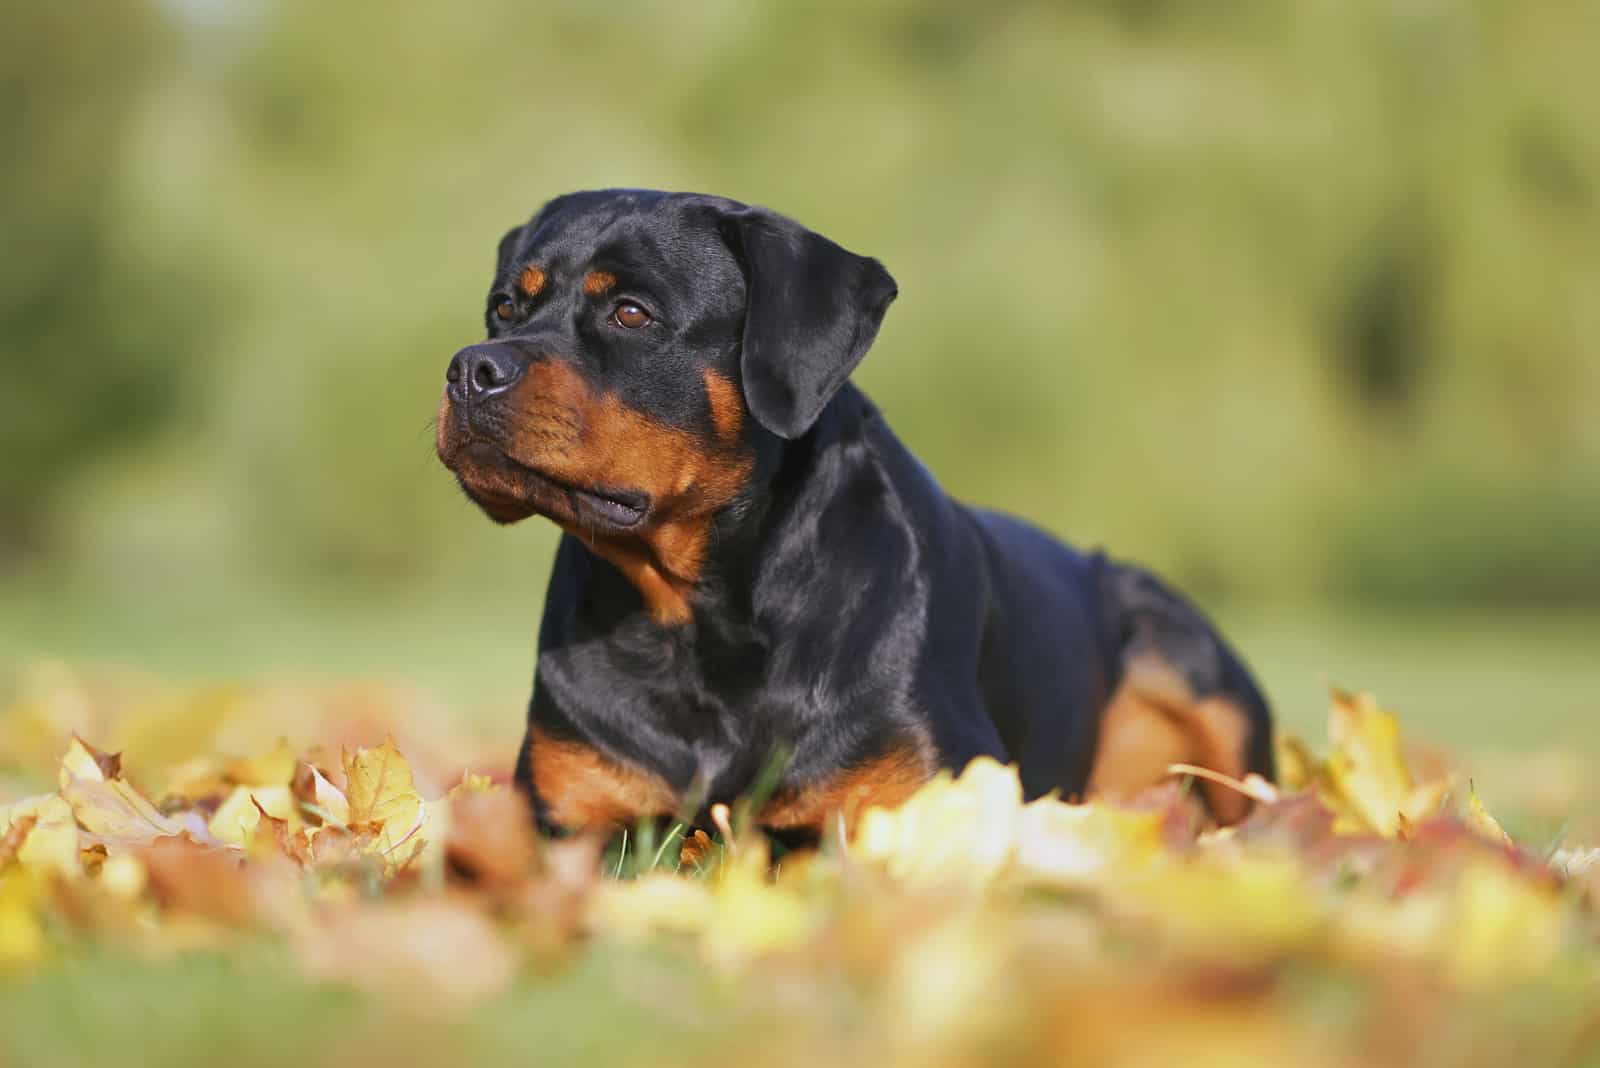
(630, 316)
(505, 309)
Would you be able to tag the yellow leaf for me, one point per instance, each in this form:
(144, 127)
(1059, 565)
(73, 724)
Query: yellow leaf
(313, 788)
(1479, 820)
(1506, 926)
(84, 761)
(116, 813)
(654, 903)
(1366, 780)
(1080, 843)
(123, 876)
(1235, 905)
(274, 768)
(50, 841)
(755, 915)
(380, 793)
(236, 818)
(472, 783)
(1297, 768)
(21, 935)
(961, 830)
(105, 804)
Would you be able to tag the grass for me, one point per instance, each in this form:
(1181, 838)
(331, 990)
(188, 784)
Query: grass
(1473, 683)
(1465, 680)
(251, 1007)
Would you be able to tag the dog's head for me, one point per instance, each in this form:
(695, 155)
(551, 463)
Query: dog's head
(641, 348)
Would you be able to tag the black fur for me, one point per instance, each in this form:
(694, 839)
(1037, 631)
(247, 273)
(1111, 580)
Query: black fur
(847, 605)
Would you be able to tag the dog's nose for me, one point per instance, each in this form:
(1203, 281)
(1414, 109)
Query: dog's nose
(480, 371)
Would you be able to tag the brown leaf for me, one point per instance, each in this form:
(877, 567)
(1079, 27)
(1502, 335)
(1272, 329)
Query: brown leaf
(116, 813)
(11, 841)
(695, 850)
(188, 878)
(84, 761)
(552, 906)
(280, 838)
(429, 950)
(492, 841)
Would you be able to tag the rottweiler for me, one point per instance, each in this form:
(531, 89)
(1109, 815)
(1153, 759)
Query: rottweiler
(754, 564)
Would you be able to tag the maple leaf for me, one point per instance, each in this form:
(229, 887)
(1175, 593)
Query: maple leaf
(1366, 779)
(1067, 843)
(962, 829)
(104, 804)
(84, 761)
(186, 877)
(274, 836)
(319, 797)
(381, 795)
(41, 834)
(236, 818)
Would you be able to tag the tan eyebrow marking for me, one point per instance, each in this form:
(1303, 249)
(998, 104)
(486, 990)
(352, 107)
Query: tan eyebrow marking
(596, 283)
(532, 279)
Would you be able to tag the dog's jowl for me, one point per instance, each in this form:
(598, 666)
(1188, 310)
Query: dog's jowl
(754, 567)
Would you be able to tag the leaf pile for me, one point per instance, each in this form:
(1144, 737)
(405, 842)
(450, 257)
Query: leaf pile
(1366, 914)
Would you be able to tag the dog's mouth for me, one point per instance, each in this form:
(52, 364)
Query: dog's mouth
(510, 490)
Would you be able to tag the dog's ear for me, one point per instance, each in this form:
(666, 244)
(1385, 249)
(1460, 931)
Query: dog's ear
(811, 312)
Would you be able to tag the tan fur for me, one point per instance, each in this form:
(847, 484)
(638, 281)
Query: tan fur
(582, 788)
(586, 439)
(532, 280)
(885, 781)
(1154, 720)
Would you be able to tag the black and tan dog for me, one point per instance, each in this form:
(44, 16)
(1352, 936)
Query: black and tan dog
(754, 563)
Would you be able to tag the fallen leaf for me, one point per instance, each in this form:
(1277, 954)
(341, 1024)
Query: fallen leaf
(116, 814)
(424, 951)
(380, 793)
(235, 820)
(491, 840)
(1073, 844)
(951, 830)
(273, 768)
(22, 940)
(695, 851)
(188, 878)
(1365, 778)
(320, 797)
(84, 761)
(42, 835)
(274, 834)
(1479, 820)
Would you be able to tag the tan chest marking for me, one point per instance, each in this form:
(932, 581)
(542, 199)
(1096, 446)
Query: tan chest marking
(581, 787)
(885, 781)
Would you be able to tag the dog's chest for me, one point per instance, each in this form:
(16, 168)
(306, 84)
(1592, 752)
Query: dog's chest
(674, 728)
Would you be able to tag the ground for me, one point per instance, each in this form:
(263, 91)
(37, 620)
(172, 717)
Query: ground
(206, 898)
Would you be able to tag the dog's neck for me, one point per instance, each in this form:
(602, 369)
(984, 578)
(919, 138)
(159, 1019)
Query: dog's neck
(701, 566)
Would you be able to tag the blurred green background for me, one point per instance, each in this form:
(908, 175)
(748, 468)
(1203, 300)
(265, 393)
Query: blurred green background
(1296, 302)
